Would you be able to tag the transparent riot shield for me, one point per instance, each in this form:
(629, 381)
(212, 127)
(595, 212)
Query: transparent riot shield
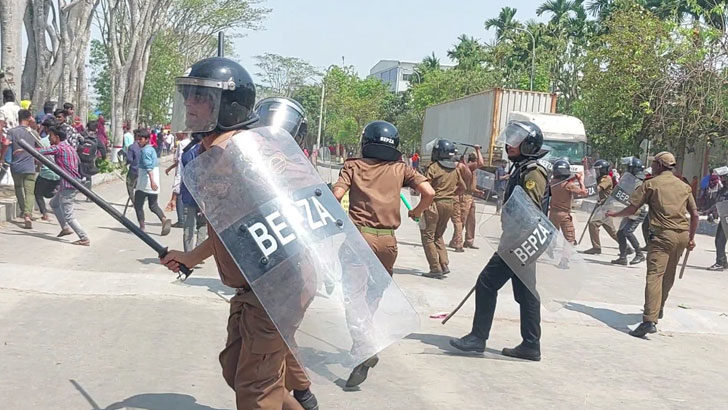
(590, 182)
(485, 181)
(722, 208)
(617, 200)
(288, 235)
(537, 253)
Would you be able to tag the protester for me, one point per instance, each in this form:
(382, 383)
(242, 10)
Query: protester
(48, 181)
(103, 138)
(78, 126)
(22, 167)
(70, 111)
(501, 179)
(9, 111)
(175, 203)
(147, 187)
(132, 160)
(73, 138)
(62, 203)
(195, 224)
(128, 138)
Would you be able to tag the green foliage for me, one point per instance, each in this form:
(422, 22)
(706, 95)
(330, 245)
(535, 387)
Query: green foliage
(165, 63)
(100, 76)
(282, 76)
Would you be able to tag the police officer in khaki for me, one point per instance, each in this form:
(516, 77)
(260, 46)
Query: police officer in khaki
(458, 213)
(604, 189)
(563, 188)
(256, 363)
(447, 182)
(475, 161)
(669, 200)
(374, 183)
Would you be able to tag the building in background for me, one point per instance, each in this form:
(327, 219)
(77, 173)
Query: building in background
(396, 74)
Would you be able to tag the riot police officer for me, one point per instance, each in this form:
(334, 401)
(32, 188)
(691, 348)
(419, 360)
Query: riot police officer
(563, 189)
(671, 232)
(214, 100)
(374, 183)
(285, 113)
(630, 224)
(445, 178)
(524, 141)
(720, 239)
(604, 189)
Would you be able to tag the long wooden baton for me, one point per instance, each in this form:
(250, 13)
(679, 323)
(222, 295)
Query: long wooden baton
(587, 223)
(459, 306)
(685, 264)
(160, 249)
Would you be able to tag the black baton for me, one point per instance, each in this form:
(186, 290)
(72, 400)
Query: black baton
(161, 250)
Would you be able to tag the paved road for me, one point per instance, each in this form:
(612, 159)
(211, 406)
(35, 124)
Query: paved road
(106, 327)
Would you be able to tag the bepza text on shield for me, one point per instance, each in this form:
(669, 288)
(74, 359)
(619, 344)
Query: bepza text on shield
(533, 244)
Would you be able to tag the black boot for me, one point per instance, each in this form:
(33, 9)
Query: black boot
(638, 258)
(622, 260)
(306, 399)
(643, 329)
(469, 343)
(359, 374)
(523, 352)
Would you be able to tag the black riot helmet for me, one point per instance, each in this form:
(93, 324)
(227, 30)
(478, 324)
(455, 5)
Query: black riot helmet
(215, 94)
(633, 164)
(380, 140)
(524, 134)
(285, 113)
(561, 169)
(444, 153)
(602, 167)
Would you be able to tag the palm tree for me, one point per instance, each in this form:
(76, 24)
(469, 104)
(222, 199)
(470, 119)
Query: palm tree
(430, 62)
(468, 52)
(600, 8)
(504, 22)
(560, 9)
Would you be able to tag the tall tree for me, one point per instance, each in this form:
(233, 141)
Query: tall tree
(11, 25)
(284, 75)
(560, 10)
(504, 22)
(469, 53)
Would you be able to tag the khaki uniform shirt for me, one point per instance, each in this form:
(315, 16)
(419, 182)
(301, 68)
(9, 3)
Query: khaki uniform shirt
(562, 194)
(473, 186)
(374, 187)
(444, 180)
(467, 175)
(605, 187)
(535, 183)
(669, 200)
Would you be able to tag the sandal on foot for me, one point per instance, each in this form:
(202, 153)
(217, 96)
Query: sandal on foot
(82, 242)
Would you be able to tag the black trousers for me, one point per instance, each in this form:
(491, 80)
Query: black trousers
(495, 274)
(626, 233)
(44, 188)
(720, 242)
(139, 198)
(646, 230)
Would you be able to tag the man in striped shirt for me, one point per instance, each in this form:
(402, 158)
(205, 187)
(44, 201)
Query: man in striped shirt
(62, 203)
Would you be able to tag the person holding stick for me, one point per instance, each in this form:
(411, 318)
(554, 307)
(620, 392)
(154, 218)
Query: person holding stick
(669, 200)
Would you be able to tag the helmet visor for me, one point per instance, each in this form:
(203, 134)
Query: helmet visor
(512, 135)
(196, 105)
(626, 161)
(279, 115)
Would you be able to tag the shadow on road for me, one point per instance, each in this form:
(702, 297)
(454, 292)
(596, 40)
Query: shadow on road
(148, 401)
(615, 320)
(442, 342)
(35, 234)
(413, 272)
(212, 284)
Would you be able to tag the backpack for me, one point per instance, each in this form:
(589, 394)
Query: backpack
(87, 155)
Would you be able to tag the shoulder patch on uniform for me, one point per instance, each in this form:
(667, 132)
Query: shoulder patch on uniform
(530, 184)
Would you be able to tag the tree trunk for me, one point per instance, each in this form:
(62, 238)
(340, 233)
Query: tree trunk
(11, 26)
(27, 84)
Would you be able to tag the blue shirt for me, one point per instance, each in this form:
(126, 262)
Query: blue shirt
(187, 157)
(500, 184)
(132, 158)
(148, 159)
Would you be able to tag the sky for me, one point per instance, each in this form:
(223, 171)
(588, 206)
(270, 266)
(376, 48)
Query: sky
(364, 32)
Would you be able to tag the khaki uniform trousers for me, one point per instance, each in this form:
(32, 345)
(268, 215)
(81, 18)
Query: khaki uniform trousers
(563, 221)
(436, 218)
(663, 255)
(468, 211)
(594, 231)
(457, 223)
(256, 361)
(385, 247)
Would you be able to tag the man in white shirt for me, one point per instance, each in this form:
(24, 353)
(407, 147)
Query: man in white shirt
(9, 110)
(176, 201)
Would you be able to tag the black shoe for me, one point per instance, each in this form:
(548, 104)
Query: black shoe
(622, 260)
(359, 374)
(306, 399)
(643, 329)
(459, 250)
(592, 251)
(717, 268)
(471, 246)
(469, 343)
(523, 352)
(630, 251)
(639, 258)
(445, 269)
(662, 313)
